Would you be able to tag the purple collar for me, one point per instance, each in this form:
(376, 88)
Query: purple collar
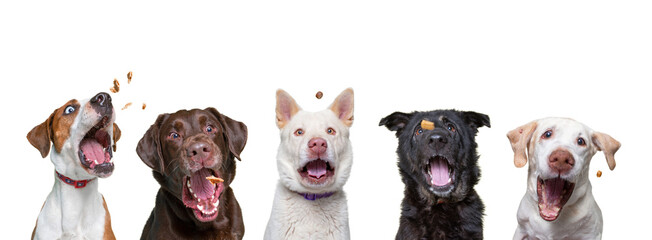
(315, 196)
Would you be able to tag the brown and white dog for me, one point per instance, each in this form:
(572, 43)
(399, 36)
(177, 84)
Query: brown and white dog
(559, 203)
(83, 135)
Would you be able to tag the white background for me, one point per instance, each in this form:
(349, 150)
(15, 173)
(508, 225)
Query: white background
(513, 60)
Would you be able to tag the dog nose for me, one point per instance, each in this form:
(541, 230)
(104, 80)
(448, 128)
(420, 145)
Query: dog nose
(437, 140)
(561, 161)
(199, 151)
(101, 99)
(317, 145)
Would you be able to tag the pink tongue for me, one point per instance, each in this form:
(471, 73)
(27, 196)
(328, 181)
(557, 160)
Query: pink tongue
(203, 188)
(439, 172)
(93, 151)
(316, 168)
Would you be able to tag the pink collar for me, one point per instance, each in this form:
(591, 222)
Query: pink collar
(76, 184)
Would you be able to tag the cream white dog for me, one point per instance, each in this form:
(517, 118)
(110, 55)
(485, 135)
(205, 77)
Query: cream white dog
(558, 203)
(83, 137)
(314, 161)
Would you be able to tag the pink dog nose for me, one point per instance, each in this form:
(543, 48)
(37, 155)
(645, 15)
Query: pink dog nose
(317, 145)
(561, 161)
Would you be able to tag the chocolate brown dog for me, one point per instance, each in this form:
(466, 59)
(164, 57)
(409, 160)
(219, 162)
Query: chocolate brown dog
(183, 149)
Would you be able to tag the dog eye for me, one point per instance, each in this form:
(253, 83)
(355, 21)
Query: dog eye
(450, 127)
(418, 131)
(330, 131)
(581, 142)
(209, 129)
(173, 136)
(547, 134)
(298, 132)
(69, 110)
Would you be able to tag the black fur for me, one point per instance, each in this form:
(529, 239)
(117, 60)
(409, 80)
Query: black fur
(453, 211)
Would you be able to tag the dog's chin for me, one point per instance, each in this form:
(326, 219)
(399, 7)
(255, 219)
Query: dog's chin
(553, 193)
(317, 174)
(439, 175)
(95, 150)
(201, 196)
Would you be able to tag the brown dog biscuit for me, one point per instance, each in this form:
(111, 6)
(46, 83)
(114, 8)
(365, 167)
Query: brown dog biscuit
(116, 86)
(319, 95)
(599, 173)
(126, 106)
(214, 180)
(129, 75)
(425, 124)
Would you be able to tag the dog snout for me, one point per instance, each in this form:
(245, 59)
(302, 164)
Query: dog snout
(437, 140)
(317, 145)
(199, 152)
(101, 99)
(561, 161)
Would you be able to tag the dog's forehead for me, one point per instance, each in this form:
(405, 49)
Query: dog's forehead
(189, 119)
(562, 127)
(305, 119)
(437, 116)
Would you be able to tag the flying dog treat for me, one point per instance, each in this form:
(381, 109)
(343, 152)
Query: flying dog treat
(126, 106)
(144, 106)
(599, 173)
(116, 86)
(214, 180)
(129, 75)
(425, 124)
(319, 95)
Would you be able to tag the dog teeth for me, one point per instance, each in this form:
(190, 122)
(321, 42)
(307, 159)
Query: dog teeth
(450, 180)
(191, 191)
(195, 195)
(216, 203)
(200, 207)
(96, 162)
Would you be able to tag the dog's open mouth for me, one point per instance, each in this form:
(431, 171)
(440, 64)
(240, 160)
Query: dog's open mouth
(202, 196)
(95, 151)
(438, 172)
(317, 171)
(553, 194)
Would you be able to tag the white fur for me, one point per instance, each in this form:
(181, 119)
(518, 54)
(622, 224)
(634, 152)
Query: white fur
(580, 218)
(294, 217)
(70, 213)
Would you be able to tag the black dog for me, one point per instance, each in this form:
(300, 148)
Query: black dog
(183, 149)
(439, 169)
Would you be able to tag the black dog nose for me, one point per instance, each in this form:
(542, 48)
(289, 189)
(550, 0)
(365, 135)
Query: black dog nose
(437, 140)
(198, 151)
(101, 99)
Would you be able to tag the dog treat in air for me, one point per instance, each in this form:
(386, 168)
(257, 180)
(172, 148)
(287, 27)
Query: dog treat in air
(116, 86)
(425, 124)
(214, 180)
(319, 95)
(599, 173)
(126, 106)
(129, 75)
(144, 106)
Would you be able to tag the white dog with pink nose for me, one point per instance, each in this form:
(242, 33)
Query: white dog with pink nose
(558, 203)
(314, 161)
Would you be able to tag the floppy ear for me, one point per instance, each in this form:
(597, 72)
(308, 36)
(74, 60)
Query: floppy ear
(520, 139)
(149, 146)
(396, 121)
(608, 145)
(342, 106)
(41, 135)
(475, 119)
(286, 107)
(236, 132)
(116, 135)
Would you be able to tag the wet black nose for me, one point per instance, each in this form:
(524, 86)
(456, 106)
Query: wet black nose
(102, 99)
(437, 140)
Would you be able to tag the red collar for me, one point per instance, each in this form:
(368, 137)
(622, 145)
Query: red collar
(76, 184)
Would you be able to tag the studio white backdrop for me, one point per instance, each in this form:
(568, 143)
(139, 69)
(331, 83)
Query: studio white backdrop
(513, 60)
